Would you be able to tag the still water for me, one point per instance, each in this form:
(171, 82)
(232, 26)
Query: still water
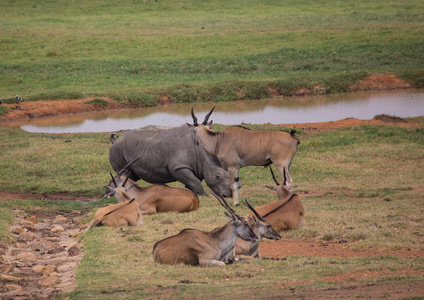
(279, 110)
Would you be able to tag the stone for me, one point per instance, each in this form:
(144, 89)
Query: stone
(26, 255)
(25, 237)
(4, 246)
(10, 278)
(38, 269)
(57, 228)
(21, 245)
(28, 225)
(59, 219)
(6, 268)
(33, 219)
(12, 287)
(73, 251)
(51, 280)
(18, 230)
(49, 269)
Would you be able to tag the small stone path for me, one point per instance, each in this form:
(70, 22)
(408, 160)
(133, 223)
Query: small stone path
(40, 260)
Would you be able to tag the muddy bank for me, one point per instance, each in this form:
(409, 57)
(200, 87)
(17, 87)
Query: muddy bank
(38, 109)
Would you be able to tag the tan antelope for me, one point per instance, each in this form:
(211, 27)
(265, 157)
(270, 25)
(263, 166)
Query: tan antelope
(284, 214)
(262, 229)
(237, 147)
(205, 248)
(152, 199)
(116, 215)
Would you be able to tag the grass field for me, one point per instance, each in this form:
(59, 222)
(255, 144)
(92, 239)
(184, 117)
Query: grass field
(373, 175)
(208, 50)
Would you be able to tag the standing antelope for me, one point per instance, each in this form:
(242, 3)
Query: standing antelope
(261, 228)
(286, 213)
(237, 147)
(196, 247)
(152, 199)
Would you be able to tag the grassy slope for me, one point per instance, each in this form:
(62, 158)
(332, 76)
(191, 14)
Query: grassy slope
(376, 168)
(127, 48)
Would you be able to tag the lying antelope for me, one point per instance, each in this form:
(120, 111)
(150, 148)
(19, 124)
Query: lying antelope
(196, 247)
(284, 214)
(152, 199)
(261, 228)
(115, 215)
(237, 147)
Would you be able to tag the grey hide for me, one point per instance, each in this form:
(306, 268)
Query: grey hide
(168, 154)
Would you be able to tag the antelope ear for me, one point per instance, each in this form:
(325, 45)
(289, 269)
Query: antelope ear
(271, 187)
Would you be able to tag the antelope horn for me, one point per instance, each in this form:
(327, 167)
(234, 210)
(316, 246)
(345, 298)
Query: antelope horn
(207, 116)
(226, 206)
(129, 164)
(254, 211)
(194, 118)
(126, 179)
(273, 176)
(113, 179)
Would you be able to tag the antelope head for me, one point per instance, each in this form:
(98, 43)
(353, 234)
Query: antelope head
(241, 224)
(263, 227)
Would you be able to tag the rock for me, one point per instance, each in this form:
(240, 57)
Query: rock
(24, 223)
(49, 269)
(57, 228)
(73, 251)
(51, 280)
(83, 227)
(52, 239)
(38, 269)
(9, 278)
(25, 237)
(12, 287)
(6, 268)
(4, 246)
(2, 252)
(28, 225)
(59, 219)
(21, 245)
(4, 259)
(18, 230)
(33, 219)
(56, 250)
(26, 255)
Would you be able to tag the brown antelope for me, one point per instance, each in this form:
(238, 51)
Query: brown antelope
(237, 147)
(248, 249)
(152, 199)
(284, 214)
(115, 215)
(196, 247)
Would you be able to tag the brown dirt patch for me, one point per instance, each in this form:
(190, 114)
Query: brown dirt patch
(380, 82)
(38, 109)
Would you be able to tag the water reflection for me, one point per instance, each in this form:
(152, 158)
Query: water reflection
(362, 105)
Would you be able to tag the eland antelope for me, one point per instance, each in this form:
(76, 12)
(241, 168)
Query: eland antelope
(237, 147)
(205, 248)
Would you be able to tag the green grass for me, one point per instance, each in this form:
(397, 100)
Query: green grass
(372, 175)
(203, 50)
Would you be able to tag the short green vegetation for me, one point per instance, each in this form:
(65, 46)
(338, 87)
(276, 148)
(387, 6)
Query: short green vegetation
(136, 51)
(370, 178)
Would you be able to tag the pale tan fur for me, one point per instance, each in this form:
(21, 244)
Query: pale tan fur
(237, 147)
(158, 198)
(126, 213)
(196, 247)
(289, 216)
